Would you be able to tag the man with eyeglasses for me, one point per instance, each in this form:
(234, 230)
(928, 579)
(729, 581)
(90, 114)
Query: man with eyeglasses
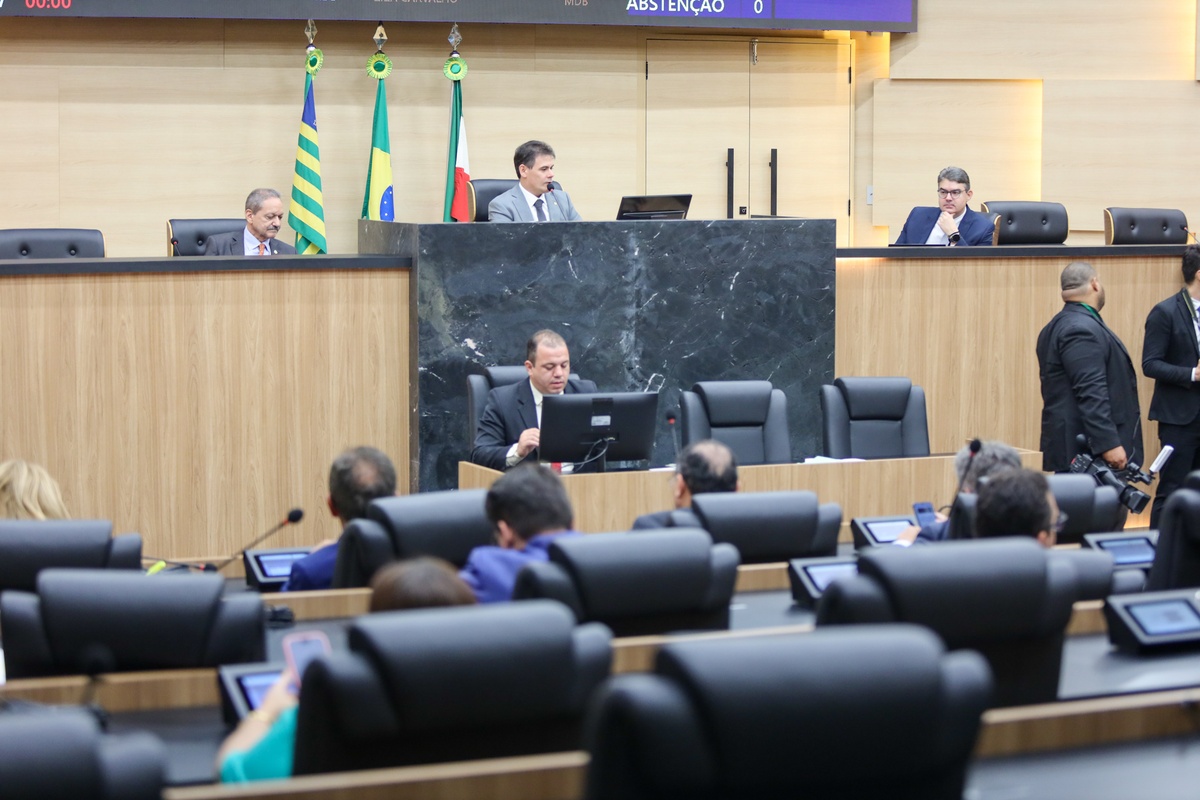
(950, 222)
(1018, 503)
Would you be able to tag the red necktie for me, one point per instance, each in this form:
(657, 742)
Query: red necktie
(262, 249)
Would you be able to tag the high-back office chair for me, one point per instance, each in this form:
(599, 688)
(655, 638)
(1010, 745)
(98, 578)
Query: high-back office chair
(449, 684)
(92, 621)
(186, 237)
(770, 526)
(51, 243)
(447, 525)
(1006, 598)
(1177, 556)
(869, 713)
(1089, 508)
(29, 546)
(1144, 226)
(482, 191)
(749, 417)
(1028, 222)
(874, 418)
(478, 386)
(65, 755)
(638, 583)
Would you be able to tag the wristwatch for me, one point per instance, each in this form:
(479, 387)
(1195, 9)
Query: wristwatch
(955, 237)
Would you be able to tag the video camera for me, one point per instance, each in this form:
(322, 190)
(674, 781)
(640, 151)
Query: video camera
(1133, 499)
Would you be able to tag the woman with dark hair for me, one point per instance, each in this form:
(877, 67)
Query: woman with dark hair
(261, 746)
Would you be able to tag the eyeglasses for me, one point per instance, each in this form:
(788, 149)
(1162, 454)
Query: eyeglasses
(1060, 524)
(955, 193)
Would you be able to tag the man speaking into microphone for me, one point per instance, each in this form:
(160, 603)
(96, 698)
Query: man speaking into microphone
(1089, 386)
(533, 199)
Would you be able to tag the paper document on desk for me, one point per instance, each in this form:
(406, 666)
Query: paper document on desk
(828, 460)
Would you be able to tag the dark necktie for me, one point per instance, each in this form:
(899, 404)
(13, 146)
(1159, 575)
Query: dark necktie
(539, 207)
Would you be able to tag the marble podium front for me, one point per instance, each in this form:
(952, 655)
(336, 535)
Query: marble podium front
(643, 305)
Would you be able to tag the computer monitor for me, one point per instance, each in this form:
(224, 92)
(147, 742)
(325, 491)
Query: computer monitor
(590, 430)
(655, 206)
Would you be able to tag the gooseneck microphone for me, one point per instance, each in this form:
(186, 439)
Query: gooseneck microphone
(293, 516)
(674, 436)
(974, 447)
(550, 194)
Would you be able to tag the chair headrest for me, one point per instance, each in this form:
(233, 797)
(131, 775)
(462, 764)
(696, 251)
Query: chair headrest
(51, 243)
(187, 236)
(735, 402)
(99, 620)
(1076, 496)
(764, 700)
(28, 546)
(1029, 222)
(778, 525)
(875, 398)
(632, 574)
(952, 586)
(486, 190)
(445, 524)
(449, 667)
(505, 375)
(1145, 225)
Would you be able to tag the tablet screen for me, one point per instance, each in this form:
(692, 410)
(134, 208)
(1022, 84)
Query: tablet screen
(278, 565)
(1133, 550)
(254, 686)
(824, 574)
(886, 530)
(1166, 617)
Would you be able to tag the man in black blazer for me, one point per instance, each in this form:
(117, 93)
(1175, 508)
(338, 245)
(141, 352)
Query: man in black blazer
(1171, 356)
(1089, 386)
(509, 430)
(264, 218)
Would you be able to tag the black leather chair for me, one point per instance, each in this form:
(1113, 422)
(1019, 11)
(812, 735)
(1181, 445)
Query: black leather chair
(29, 546)
(45, 756)
(478, 386)
(447, 525)
(94, 621)
(638, 583)
(874, 418)
(1007, 598)
(482, 191)
(1177, 556)
(770, 526)
(186, 237)
(749, 417)
(51, 243)
(1145, 226)
(450, 684)
(880, 713)
(1089, 508)
(1028, 222)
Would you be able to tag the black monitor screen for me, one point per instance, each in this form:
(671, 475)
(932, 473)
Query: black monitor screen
(824, 574)
(278, 565)
(574, 426)
(887, 530)
(1166, 617)
(657, 206)
(1132, 550)
(254, 686)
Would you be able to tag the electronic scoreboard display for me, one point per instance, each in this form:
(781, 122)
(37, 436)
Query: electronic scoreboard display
(860, 15)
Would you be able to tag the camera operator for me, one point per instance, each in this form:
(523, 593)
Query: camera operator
(1171, 356)
(1088, 382)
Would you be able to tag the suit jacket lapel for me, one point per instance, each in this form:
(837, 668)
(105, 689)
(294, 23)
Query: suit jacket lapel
(523, 209)
(525, 405)
(1189, 322)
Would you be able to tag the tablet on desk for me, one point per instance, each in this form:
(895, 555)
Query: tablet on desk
(1126, 549)
(243, 687)
(810, 577)
(269, 570)
(1151, 621)
(870, 531)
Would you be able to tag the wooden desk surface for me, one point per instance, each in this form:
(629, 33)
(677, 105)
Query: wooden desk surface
(611, 501)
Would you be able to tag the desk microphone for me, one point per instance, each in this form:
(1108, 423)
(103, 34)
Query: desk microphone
(674, 436)
(293, 516)
(974, 447)
(550, 193)
(175, 246)
(94, 660)
(1189, 233)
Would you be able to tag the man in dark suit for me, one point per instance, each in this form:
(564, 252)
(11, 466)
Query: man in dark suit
(1089, 386)
(1171, 356)
(510, 429)
(534, 198)
(950, 222)
(264, 218)
(705, 466)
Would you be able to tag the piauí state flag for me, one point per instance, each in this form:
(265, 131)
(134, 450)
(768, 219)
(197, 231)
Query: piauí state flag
(377, 202)
(458, 171)
(307, 212)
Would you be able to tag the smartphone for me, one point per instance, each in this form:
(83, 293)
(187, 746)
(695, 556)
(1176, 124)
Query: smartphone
(925, 514)
(300, 648)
